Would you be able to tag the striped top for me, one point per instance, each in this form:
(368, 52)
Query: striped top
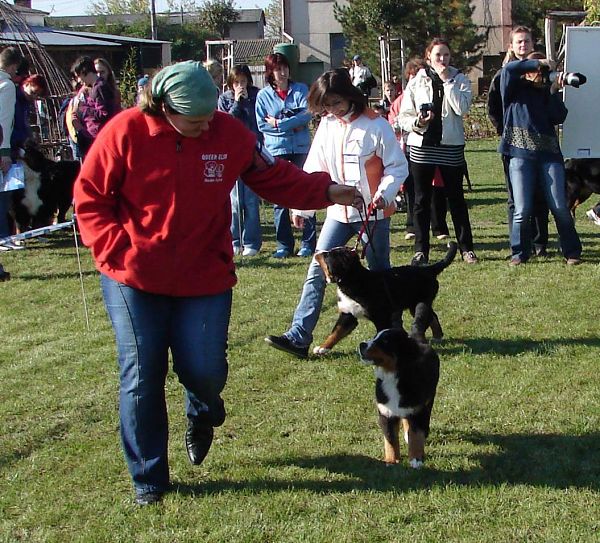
(440, 155)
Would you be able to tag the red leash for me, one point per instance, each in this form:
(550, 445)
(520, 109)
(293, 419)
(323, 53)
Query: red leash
(365, 229)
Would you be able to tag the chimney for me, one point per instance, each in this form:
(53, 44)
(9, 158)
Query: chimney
(23, 3)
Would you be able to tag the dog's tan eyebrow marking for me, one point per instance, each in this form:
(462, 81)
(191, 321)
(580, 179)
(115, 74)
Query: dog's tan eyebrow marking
(381, 359)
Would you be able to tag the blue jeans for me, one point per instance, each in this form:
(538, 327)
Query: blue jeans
(283, 227)
(284, 234)
(334, 234)
(524, 174)
(146, 327)
(245, 211)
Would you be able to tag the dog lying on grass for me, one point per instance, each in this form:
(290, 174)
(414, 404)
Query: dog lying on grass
(382, 296)
(407, 374)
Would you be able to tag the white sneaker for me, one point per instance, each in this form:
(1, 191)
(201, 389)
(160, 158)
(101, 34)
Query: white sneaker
(237, 251)
(591, 215)
(410, 235)
(11, 246)
(249, 252)
(442, 236)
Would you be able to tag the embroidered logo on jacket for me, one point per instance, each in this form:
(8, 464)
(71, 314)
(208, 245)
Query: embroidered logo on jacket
(213, 168)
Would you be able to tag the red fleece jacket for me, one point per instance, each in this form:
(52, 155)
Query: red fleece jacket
(154, 206)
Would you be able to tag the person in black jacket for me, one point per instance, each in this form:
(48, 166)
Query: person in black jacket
(521, 45)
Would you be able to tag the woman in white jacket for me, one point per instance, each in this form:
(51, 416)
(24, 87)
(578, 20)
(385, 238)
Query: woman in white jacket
(356, 147)
(432, 111)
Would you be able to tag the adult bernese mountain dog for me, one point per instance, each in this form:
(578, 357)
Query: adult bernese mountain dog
(407, 374)
(382, 296)
(582, 177)
(48, 192)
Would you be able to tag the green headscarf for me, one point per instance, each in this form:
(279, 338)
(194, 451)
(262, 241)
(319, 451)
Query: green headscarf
(187, 88)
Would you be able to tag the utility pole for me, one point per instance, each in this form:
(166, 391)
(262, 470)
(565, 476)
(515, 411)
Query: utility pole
(153, 19)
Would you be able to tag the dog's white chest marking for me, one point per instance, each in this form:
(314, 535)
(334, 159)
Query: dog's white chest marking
(348, 305)
(389, 386)
(32, 201)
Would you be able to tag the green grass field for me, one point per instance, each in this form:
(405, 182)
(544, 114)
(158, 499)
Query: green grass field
(514, 450)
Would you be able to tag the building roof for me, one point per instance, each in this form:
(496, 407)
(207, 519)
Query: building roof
(246, 16)
(23, 9)
(48, 37)
(249, 51)
(57, 37)
(108, 37)
(250, 15)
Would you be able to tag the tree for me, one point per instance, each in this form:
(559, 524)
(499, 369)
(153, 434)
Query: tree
(531, 13)
(218, 15)
(274, 20)
(176, 6)
(118, 7)
(415, 21)
(593, 11)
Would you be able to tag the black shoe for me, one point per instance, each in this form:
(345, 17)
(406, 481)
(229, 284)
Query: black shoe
(541, 252)
(198, 439)
(148, 498)
(419, 259)
(284, 344)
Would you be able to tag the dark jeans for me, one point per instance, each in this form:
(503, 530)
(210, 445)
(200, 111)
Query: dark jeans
(536, 229)
(148, 326)
(283, 227)
(453, 188)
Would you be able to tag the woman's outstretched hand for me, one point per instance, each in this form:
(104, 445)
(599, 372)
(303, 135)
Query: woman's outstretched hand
(344, 195)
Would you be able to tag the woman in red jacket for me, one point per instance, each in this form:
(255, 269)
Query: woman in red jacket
(152, 202)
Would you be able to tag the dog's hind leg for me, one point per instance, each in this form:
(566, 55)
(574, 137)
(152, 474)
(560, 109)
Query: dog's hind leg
(344, 325)
(390, 427)
(436, 327)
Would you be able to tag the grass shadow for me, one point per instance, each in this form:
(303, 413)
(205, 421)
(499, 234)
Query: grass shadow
(541, 460)
(514, 346)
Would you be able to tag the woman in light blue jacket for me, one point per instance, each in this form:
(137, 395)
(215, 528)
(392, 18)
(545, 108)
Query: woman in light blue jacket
(282, 116)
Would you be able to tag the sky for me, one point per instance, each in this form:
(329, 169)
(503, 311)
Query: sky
(78, 7)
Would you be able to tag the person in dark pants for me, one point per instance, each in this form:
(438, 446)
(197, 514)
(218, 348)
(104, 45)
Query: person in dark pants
(536, 230)
(432, 110)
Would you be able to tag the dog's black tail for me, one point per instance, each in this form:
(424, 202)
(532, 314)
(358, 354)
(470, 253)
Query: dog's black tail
(441, 265)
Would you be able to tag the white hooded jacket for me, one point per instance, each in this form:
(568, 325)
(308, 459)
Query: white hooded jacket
(362, 153)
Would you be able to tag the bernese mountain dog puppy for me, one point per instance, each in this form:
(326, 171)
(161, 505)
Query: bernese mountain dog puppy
(407, 374)
(381, 296)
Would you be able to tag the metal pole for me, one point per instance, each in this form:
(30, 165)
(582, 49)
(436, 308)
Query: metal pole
(153, 19)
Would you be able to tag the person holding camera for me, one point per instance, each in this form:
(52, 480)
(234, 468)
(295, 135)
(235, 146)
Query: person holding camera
(282, 116)
(532, 110)
(432, 111)
(521, 45)
(239, 100)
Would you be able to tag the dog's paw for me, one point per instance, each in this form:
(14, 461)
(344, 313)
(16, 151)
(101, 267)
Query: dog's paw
(415, 463)
(320, 351)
